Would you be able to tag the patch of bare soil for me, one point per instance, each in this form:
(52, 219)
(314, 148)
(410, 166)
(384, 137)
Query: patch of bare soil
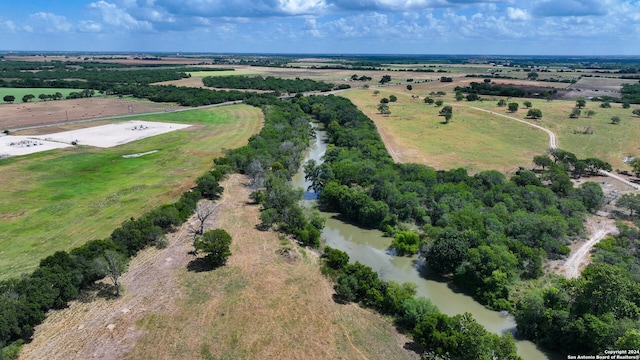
(19, 115)
(265, 303)
(597, 229)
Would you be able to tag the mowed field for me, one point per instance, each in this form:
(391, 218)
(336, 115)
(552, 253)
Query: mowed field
(260, 305)
(57, 200)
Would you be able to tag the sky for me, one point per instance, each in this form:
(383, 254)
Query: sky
(491, 27)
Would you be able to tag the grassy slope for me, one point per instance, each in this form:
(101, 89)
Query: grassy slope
(57, 200)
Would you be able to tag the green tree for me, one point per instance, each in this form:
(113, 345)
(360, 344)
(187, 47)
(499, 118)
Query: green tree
(580, 103)
(636, 112)
(384, 109)
(534, 113)
(28, 98)
(635, 166)
(405, 243)
(393, 98)
(447, 251)
(502, 102)
(430, 101)
(605, 104)
(9, 98)
(385, 79)
(590, 113)
(527, 104)
(543, 161)
(384, 100)
(513, 107)
(112, 264)
(630, 202)
(459, 96)
(616, 120)
(626, 105)
(216, 244)
(532, 75)
(409, 87)
(591, 195)
(575, 113)
(439, 103)
(376, 92)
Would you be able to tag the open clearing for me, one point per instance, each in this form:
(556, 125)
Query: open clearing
(20, 92)
(261, 305)
(111, 135)
(57, 200)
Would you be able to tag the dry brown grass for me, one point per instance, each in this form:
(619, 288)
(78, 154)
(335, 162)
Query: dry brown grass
(261, 305)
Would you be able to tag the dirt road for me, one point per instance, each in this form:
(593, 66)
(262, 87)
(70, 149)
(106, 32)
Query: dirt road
(598, 228)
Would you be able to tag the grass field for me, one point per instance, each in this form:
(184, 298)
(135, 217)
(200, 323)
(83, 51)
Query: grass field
(608, 142)
(60, 199)
(20, 92)
(473, 140)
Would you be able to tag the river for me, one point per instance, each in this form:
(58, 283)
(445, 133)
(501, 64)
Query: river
(370, 248)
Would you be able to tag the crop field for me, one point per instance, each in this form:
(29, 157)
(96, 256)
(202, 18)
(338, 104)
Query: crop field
(57, 200)
(20, 92)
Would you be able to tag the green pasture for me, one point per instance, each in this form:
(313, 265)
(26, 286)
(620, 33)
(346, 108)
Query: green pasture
(608, 142)
(222, 73)
(473, 140)
(57, 200)
(20, 92)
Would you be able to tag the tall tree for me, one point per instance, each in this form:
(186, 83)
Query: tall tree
(216, 244)
(513, 107)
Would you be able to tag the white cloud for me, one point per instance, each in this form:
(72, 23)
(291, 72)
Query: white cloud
(113, 15)
(46, 22)
(89, 26)
(517, 14)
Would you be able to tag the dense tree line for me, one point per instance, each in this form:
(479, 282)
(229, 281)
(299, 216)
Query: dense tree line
(458, 337)
(270, 159)
(184, 96)
(267, 83)
(483, 230)
(631, 93)
(488, 88)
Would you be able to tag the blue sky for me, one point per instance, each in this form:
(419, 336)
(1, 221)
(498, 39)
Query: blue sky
(518, 27)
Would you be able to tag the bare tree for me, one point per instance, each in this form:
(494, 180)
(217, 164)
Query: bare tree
(203, 211)
(112, 264)
(255, 171)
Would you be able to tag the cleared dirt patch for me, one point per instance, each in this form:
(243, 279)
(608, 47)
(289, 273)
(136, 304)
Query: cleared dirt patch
(23, 145)
(114, 134)
(261, 305)
(597, 228)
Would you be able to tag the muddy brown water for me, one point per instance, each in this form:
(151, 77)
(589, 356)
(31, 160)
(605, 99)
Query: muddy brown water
(370, 247)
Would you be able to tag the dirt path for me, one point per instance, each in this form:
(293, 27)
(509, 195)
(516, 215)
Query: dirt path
(553, 141)
(598, 228)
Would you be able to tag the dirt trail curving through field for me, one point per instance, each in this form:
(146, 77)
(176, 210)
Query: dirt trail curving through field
(598, 228)
(553, 141)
